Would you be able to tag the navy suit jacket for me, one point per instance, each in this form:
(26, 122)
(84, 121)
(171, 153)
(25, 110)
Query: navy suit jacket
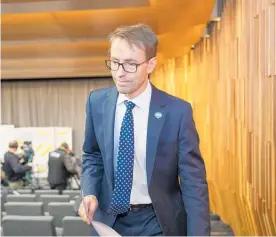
(172, 155)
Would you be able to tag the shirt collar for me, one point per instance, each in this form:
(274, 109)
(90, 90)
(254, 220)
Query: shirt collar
(142, 100)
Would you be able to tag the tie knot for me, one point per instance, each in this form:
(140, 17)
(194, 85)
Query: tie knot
(130, 105)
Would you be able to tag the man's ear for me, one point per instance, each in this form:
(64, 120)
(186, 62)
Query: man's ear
(151, 65)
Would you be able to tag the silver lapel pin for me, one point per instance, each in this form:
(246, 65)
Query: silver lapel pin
(158, 115)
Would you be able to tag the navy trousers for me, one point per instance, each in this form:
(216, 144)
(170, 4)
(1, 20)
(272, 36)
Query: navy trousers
(142, 222)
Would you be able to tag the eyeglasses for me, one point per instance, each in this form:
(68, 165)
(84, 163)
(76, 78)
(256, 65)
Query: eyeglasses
(128, 67)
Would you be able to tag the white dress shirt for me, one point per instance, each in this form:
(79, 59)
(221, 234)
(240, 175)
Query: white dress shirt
(139, 192)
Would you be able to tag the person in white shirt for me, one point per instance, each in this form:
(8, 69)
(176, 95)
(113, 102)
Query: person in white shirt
(139, 142)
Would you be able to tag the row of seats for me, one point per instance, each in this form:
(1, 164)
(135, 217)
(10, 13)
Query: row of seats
(39, 192)
(44, 198)
(42, 213)
(71, 226)
(56, 209)
(55, 215)
(43, 226)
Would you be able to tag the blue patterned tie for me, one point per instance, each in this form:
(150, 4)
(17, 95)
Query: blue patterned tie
(123, 179)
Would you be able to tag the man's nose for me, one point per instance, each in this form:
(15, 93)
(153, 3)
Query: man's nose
(121, 72)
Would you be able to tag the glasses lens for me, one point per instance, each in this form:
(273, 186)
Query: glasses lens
(112, 65)
(129, 67)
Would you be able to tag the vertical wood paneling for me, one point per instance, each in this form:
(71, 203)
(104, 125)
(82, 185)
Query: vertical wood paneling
(230, 80)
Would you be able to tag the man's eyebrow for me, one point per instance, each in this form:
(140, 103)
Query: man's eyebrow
(126, 60)
(130, 60)
(113, 58)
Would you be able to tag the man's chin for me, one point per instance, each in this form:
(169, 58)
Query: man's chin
(123, 90)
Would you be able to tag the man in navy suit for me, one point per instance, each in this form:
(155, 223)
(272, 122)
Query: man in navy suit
(142, 171)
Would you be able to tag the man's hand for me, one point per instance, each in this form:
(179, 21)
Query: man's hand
(87, 208)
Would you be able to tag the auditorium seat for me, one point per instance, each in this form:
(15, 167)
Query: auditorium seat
(21, 198)
(47, 198)
(28, 226)
(77, 202)
(74, 226)
(59, 210)
(24, 191)
(71, 193)
(2, 203)
(40, 192)
(24, 208)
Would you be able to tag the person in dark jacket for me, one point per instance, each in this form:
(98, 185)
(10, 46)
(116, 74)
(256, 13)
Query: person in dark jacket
(28, 151)
(14, 170)
(27, 157)
(61, 166)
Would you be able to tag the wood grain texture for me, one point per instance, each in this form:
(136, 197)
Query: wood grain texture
(73, 33)
(230, 80)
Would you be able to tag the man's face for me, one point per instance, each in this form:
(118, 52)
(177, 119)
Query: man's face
(131, 84)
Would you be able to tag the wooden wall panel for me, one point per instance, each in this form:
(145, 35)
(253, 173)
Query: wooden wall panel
(230, 80)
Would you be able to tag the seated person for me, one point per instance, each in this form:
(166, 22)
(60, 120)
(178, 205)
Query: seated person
(14, 170)
(61, 166)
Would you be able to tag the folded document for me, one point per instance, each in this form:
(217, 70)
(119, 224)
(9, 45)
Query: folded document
(103, 230)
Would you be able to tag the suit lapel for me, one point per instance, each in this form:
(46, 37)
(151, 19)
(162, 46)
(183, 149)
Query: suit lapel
(157, 115)
(108, 124)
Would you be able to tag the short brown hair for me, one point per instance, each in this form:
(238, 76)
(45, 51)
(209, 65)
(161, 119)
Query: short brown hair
(140, 35)
(13, 144)
(64, 145)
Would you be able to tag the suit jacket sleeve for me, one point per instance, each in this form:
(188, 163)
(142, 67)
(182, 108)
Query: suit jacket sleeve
(193, 178)
(92, 162)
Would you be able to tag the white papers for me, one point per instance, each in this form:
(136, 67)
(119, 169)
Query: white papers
(104, 230)
(101, 228)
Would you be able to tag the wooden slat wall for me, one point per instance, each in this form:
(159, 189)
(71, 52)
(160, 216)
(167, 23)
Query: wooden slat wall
(230, 80)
